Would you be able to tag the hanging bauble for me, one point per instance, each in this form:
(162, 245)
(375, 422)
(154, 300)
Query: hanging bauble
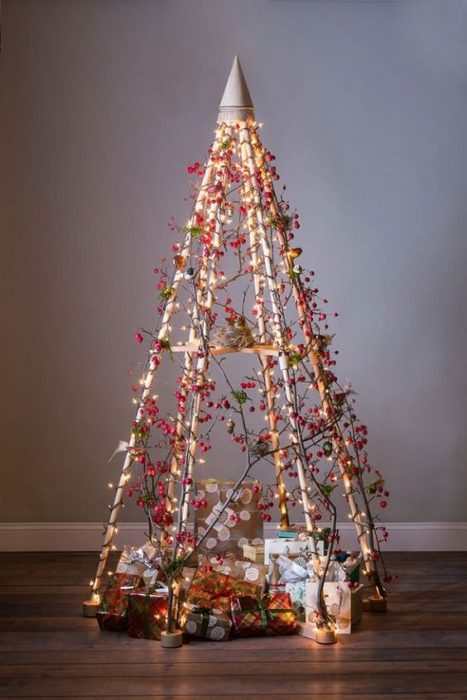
(230, 425)
(228, 210)
(327, 448)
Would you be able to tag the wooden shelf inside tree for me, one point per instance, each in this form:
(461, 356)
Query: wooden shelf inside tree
(260, 349)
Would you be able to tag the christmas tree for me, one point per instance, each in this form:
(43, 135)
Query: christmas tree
(237, 284)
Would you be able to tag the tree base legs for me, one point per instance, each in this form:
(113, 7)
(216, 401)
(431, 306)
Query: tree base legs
(90, 608)
(324, 635)
(374, 604)
(172, 640)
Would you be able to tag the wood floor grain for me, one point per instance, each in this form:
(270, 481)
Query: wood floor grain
(417, 650)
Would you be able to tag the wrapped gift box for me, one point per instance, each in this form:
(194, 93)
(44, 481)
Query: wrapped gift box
(239, 522)
(343, 602)
(239, 569)
(270, 614)
(112, 613)
(290, 548)
(147, 614)
(206, 622)
(138, 560)
(213, 589)
(254, 551)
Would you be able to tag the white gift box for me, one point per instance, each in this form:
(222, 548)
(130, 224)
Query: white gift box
(342, 602)
(286, 547)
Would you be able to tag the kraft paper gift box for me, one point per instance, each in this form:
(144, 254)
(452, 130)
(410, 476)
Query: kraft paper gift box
(213, 589)
(239, 569)
(254, 551)
(240, 522)
(263, 615)
(147, 614)
(288, 548)
(206, 622)
(343, 602)
(112, 613)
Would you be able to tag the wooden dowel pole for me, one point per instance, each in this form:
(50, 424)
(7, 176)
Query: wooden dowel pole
(265, 367)
(204, 302)
(188, 363)
(365, 532)
(90, 606)
(277, 326)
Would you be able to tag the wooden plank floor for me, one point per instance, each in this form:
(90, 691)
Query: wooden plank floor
(418, 649)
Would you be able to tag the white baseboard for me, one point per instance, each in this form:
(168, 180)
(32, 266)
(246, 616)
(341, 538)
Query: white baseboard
(82, 537)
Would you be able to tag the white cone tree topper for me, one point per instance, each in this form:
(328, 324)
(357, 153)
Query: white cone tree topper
(236, 103)
(237, 284)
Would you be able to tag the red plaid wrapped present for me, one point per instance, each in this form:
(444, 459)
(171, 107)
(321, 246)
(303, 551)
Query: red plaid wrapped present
(112, 613)
(269, 614)
(213, 589)
(147, 614)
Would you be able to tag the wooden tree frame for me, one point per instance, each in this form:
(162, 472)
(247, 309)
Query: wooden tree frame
(268, 241)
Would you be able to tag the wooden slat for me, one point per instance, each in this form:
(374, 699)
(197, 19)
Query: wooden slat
(267, 685)
(228, 668)
(215, 350)
(286, 696)
(142, 652)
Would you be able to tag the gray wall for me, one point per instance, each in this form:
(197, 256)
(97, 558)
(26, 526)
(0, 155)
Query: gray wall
(103, 105)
